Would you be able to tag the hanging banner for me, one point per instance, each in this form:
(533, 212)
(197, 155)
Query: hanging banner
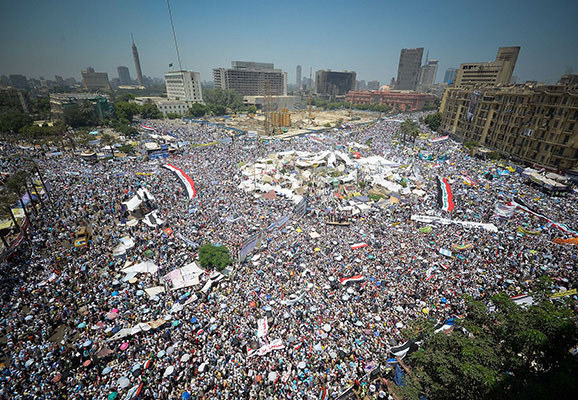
(522, 206)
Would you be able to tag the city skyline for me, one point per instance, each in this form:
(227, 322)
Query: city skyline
(62, 39)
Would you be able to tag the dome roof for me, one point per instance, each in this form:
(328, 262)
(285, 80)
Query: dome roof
(384, 89)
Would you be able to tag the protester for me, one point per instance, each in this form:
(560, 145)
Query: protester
(63, 305)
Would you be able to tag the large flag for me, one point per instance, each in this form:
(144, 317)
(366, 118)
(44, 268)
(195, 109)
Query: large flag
(187, 182)
(353, 279)
(445, 196)
(522, 206)
(148, 128)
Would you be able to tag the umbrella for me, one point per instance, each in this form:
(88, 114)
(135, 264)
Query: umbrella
(161, 353)
(170, 350)
(135, 367)
(327, 328)
(81, 325)
(186, 396)
(87, 343)
(176, 323)
(106, 370)
(112, 396)
(57, 378)
(86, 363)
(115, 293)
(272, 376)
(111, 315)
(170, 369)
(124, 346)
(185, 357)
(301, 365)
(29, 363)
(123, 382)
(29, 317)
(194, 320)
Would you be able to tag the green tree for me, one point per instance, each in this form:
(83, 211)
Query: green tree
(521, 352)
(126, 148)
(109, 140)
(197, 110)
(252, 109)
(150, 111)
(409, 128)
(434, 121)
(13, 121)
(214, 256)
(79, 115)
(126, 110)
(217, 109)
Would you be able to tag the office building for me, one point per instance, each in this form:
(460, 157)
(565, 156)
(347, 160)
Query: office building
(334, 83)
(408, 69)
(184, 86)
(568, 79)
(536, 124)
(137, 64)
(95, 80)
(60, 102)
(498, 72)
(251, 79)
(396, 100)
(450, 75)
(373, 85)
(18, 81)
(164, 105)
(428, 72)
(298, 77)
(123, 76)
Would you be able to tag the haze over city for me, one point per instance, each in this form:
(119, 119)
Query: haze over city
(47, 38)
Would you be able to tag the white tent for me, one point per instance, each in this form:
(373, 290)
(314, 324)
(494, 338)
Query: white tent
(143, 267)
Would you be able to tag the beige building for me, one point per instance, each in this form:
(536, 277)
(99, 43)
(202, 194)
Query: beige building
(95, 80)
(498, 72)
(166, 106)
(184, 86)
(531, 123)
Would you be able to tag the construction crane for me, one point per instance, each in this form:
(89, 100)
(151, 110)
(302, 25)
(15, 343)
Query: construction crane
(268, 109)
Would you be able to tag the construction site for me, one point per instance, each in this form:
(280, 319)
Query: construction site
(286, 123)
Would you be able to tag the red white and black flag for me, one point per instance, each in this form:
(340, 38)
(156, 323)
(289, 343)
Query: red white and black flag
(187, 182)
(445, 196)
(353, 279)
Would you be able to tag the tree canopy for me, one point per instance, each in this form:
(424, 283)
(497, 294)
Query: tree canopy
(211, 256)
(409, 128)
(223, 98)
(434, 121)
(521, 352)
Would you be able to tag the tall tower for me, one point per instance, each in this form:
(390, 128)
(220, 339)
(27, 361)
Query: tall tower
(409, 67)
(298, 79)
(136, 62)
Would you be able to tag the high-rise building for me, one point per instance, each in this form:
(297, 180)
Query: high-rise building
(184, 86)
(491, 73)
(95, 80)
(372, 85)
(18, 81)
(450, 75)
(251, 79)
(334, 83)
(298, 78)
(137, 64)
(428, 72)
(123, 75)
(408, 69)
(530, 123)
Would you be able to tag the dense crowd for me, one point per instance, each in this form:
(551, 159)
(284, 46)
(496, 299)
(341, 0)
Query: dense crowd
(57, 299)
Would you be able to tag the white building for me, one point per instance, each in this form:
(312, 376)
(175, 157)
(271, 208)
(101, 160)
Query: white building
(184, 86)
(166, 106)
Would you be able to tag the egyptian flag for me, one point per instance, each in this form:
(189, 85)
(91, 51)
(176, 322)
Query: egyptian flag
(358, 246)
(445, 196)
(524, 207)
(187, 182)
(353, 279)
(148, 128)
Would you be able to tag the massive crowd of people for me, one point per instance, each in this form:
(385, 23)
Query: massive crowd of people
(62, 304)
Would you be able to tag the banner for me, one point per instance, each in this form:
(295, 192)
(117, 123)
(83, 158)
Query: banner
(148, 128)
(262, 327)
(248, 245)
(276, 344)
(358, 246)
(439, 139)
(573, 241)
(468, 224)
(562, 294)
(445, 252)
(187, 182)
(504, 210)
(300, 208)
(445, 196)
(522, 206)
(462, 247)
(426, 229)
(521, 229)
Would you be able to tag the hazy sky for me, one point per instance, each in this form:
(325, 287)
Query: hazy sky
(62, 37)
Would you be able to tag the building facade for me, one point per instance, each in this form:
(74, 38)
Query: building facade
(498, 72)
(536, 124)
(184, 86)
(373, 85)
(251, 79)
(165, 106)
(334, 83)
(95, 80)
(123, 76)
(428, 73)
(18, 81)
(60, 102)
(450, 75)
(298, 77)
(397, 100)
(408, 69)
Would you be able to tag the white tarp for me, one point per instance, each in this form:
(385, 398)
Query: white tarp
(153, 291)
(143, 267)
(133, 203)
(185, 276)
